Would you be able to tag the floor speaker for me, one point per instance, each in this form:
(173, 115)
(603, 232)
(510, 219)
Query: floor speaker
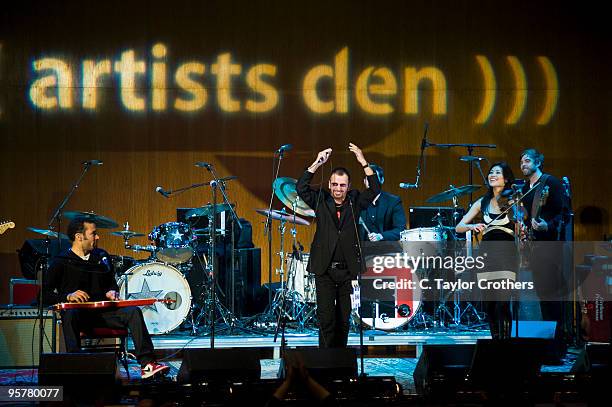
(83, 375)
(442, 367)
(323, 364)
(219, 365)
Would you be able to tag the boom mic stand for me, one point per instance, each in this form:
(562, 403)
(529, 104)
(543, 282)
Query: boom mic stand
(56, 217)
(215, 184)
(268, 224)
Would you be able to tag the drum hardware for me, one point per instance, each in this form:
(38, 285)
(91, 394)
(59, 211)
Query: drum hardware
(48, 233)
(470, 149)
(101, 222)
(212, 305)
(452, 192)
(162, 281)
(173, 242)
(286, 191)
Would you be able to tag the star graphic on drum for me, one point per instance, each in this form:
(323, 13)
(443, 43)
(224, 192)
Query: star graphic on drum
(177, 236)
(146, 292)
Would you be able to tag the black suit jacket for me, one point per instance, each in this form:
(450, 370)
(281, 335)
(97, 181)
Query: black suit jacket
(331, 231)
(387, 217)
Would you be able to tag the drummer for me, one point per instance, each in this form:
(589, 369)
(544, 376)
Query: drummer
(385, 218)
(84, 273)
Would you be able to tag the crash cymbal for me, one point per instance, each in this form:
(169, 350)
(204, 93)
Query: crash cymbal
(101, 222)
(126, 234)
(452, 192)
(206, 210)
(286, 192)
(282, 215)
(47, 232)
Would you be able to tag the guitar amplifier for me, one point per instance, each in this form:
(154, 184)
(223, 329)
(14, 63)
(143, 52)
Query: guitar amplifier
(19, 336)
(23, 291)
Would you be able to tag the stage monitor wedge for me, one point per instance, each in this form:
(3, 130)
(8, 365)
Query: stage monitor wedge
(220, 365)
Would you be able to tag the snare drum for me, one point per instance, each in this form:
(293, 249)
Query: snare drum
(423, 235)
(159, 280)
(389, 298)
(299, 280)
(174, 242)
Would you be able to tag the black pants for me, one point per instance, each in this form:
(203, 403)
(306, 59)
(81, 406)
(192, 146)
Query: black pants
(75, 321)
(333, 307)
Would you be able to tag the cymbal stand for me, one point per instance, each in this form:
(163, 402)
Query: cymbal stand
(470, 147)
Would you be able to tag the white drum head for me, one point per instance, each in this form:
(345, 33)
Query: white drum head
(159, 280)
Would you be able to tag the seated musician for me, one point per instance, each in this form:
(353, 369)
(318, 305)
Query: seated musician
(83, 273)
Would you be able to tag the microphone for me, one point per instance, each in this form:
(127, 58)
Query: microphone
(202, 164)
(323, 159)
(405, 185)
(92, 162)
(469, 158)
(566, 184)
(165, 194)
(284, 147)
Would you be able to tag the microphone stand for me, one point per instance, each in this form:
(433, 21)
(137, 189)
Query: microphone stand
(362, 262)
(268, 224)
(470, 147)
(424, 145)
(56, 217)
(212, 227)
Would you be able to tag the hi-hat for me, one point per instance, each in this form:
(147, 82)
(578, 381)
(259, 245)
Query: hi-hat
(452, 192)
(126, 234)
(286, 192)
(281, 215)
(206, 210)
(47, 232)
(101, 222)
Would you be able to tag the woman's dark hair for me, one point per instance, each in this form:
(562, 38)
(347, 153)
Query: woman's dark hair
(508, 179)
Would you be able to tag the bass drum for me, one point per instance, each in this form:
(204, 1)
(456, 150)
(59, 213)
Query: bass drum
(158, 280)
(389, 296)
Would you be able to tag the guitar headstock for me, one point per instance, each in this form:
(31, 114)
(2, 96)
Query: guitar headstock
(4, 226)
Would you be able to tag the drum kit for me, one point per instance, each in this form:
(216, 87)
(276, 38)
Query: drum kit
(295, 300)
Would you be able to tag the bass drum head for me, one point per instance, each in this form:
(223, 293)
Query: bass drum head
(159, 280)
(390, 296)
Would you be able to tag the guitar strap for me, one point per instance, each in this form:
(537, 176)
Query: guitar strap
(537, 194)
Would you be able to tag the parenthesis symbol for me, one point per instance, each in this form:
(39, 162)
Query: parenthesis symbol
(490, 89)
(552, 90)
(520, 90)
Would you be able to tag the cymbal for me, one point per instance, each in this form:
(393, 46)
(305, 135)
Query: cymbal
(285, 190)
(452, 192)
(126, 234)
(47, 232)
(101, 221)
(281, 215)
(206, 210)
